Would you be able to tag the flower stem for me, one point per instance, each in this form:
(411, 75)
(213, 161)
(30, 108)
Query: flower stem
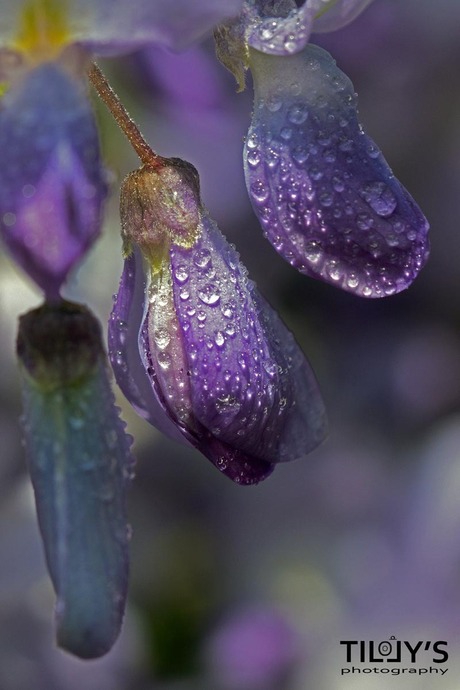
(122, 118)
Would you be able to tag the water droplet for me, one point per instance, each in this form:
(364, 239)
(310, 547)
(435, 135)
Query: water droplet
(372, 150)
(315, 173)
(162, 338)
(346, 144)
(259, 191)
(253, 158)
(353, 281)
(326, 199)
(202, 258)
(184, 294)
(298, 113)
(364, 221)
(286, 133)
(164, 360)
(273, 103)
(252, 141)
(333, 269)
(300, 154)
(201, 316)
(227, 311)
(209, 294)
(181, 274)
(220, 339)
(380, 198)
(289, 43)
(338, 184)
(329, 156)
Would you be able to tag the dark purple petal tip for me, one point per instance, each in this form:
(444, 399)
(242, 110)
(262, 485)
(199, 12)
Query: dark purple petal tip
(52, 185)
(325, 196)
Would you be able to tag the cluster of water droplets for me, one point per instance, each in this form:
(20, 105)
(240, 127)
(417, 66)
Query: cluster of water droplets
(235, 385)
(165, 344)
(323, 192)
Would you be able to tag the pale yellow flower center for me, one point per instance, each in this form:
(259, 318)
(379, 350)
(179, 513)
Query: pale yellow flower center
(43, 30)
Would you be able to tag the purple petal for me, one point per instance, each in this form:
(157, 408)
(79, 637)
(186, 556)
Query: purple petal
(221, 366)
(325, 196)
(339, 14)
(52, 185)
(123, 344)
(114, 26)
(279, 28)
(250, 385)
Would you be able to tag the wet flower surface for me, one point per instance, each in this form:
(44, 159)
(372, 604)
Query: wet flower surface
(325, 196)
(221, 363)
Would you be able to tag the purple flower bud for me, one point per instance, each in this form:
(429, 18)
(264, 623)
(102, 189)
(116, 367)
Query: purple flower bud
(79, 461)
(51, 182)
(325, 196)
(222, 368)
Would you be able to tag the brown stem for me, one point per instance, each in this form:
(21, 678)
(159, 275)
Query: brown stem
(122, 118)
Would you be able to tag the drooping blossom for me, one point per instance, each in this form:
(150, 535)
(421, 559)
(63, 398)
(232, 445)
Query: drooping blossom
(79, 461)
(194, 346)
(325, 196)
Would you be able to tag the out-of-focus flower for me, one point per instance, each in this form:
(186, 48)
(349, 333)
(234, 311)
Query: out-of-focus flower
(79, 461)
(254, 649)
(325, 196)
(194, 347)
(52, 183)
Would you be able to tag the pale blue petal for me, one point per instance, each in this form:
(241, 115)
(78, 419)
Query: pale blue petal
(80, 464)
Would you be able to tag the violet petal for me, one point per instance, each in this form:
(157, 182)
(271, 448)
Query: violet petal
(52, 185)
(250, 384)
(221, 365)
(279, 28)
(325, 196)
(116, 26)
(123, 345)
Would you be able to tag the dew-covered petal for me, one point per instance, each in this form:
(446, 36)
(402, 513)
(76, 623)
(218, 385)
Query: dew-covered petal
(52, 185)
(249, 383)
(325, 196)
(279, 28)
(221, 365)
(163, 349)
(334, 15)
(123, 344)
(80, 463)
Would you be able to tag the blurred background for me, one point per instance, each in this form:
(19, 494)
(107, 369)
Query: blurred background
(253, 588)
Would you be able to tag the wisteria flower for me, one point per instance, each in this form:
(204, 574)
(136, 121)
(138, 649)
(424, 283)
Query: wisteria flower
(194, 346)
(52, 184)
(325, 196)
